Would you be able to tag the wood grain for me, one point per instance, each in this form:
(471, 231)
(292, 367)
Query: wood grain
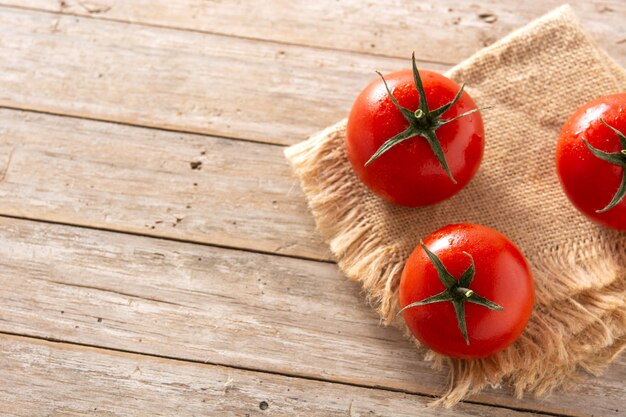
(53, 379)
(227, 307)
(445, 31)
(176, 79)
(286, 317)
(197, 188)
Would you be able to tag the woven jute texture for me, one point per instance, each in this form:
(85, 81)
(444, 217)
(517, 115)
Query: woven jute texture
(533, 80)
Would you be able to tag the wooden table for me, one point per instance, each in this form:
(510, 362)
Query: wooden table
(157, 256)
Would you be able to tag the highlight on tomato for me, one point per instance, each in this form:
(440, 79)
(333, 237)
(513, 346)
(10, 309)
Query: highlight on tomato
(466, 291)
(414, 138)
(591, 160)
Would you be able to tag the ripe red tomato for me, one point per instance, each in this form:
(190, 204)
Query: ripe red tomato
(493, 307)
(412, 173)
(593, 174)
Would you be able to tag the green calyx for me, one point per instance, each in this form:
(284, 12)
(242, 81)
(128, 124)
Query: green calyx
(422, 122)
(617, 158)
(457, 291)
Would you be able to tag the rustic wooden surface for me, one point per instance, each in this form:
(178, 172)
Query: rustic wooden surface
(157, 257)
(60, 379)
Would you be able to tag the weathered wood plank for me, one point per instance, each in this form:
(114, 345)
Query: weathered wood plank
(177, 79)
(446, 31)
(196, 188)
(42, 378)
(227, 307)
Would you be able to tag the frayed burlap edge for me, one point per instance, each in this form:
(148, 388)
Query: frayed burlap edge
(579, 296)
(334, 197)
(528, 365)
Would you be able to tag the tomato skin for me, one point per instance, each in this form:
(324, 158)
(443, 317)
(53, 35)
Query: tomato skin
(409, 173)
(589, 182)
(502, 276)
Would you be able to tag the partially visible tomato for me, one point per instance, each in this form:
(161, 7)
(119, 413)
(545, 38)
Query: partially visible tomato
(487, 297)
(593, 174)
(436, 158)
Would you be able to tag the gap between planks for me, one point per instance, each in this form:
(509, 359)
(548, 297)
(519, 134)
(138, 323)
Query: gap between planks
(179, 80)
(231, 110)
(202, 112)
(164, 238)
(98, 16)
(445, 28)
(136, 125)
(103, 229)
(50, 125)
(87, 130)
(261, 313)
(305, 395)
(81, 165)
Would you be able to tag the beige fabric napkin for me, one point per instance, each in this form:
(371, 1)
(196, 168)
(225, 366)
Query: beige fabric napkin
(533, 80)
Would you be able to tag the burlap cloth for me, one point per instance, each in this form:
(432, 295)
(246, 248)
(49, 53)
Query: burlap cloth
(533, 80)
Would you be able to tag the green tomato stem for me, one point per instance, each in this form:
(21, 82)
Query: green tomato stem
(422, 122)
(456, 291)
(617, 158)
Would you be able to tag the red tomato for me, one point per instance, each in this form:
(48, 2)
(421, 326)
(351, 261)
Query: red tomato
(409, 173)
(502, 279)
(589, 181)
